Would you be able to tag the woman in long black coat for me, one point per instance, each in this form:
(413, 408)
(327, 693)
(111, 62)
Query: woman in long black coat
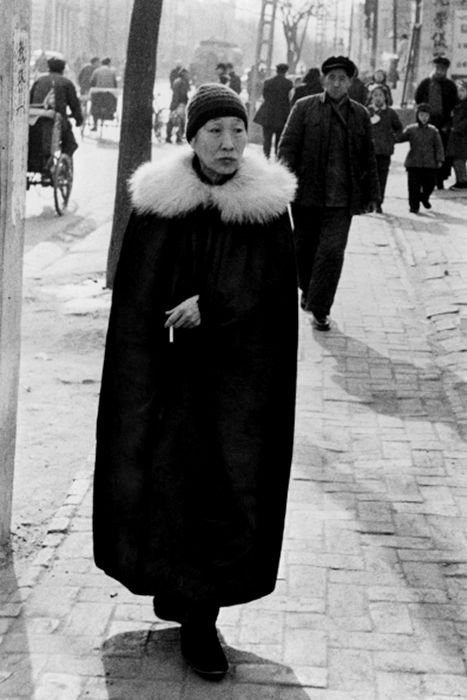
(196, 414)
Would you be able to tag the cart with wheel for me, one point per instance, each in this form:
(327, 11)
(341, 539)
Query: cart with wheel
(48, 166)
(104, 102)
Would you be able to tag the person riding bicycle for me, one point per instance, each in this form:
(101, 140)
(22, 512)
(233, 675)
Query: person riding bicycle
(54, 91)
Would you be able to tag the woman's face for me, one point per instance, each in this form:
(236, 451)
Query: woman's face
(379, 76)
(219, 145)
(461, 92)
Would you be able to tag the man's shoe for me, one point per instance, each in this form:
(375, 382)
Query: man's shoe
(458, 186)
(322, 323)
(413, 210)
(202, 650)
(426, 203)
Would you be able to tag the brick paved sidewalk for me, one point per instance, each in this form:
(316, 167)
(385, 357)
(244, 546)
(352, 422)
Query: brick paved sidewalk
(371, 602)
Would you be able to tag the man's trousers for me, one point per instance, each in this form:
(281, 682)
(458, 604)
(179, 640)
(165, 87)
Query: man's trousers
(321, 235)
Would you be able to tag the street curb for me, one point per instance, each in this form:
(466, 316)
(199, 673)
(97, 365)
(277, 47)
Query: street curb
(57, 529)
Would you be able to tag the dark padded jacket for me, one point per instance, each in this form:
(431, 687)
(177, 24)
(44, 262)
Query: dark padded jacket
(304, 145)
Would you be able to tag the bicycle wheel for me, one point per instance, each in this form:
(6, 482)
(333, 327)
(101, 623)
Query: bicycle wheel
(62, 177)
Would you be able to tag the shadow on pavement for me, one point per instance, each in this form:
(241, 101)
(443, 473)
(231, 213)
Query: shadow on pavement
(436, 222)
(389, 386)
(16, 677)
(399, 515)
(147, 664)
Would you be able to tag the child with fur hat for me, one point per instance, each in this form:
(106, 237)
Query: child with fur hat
(425, 156)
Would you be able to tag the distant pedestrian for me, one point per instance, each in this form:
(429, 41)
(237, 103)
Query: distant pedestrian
(103, 102)
(61, 95)
(386, 128)
(380, 80)
(235, 82)
(180, 92)
(440, 93)
(457, 143)
(274, 110)
(84, 76)
(196, 411)
(254, 83)
(424, 159)
(175, 72)
(311, 85)
(327, 143)
(222, 75)
(358, 91)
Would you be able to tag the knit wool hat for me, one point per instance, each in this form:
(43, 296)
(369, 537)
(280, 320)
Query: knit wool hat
(211, 101)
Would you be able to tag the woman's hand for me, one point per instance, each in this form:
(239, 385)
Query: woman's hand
(184, 315)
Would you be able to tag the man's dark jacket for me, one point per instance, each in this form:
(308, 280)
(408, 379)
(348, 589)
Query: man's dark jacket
(275, 109)
(65, 94)
(304, 146)
(448, 96)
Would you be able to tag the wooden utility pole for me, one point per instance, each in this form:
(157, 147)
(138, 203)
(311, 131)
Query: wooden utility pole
(264, 47)
(374, 35)
(14, 81)
(137, 109)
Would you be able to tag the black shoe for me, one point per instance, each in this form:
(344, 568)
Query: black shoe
(426, 203)
(202, 650)
(322, 323)
(379, 209)
(93, 128)
(458, 186)
(440, 186)
(413, 210)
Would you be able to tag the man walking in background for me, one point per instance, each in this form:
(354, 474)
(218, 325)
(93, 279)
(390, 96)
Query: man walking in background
(327, 143)
(234, 80)
(274, 110)
(180, 90)
(440, 92)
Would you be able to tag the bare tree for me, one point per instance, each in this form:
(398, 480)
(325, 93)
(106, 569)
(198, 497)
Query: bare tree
(295, 18)
(136, 128)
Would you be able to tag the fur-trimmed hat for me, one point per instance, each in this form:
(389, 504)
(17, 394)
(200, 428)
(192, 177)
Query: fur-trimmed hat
(211, 101)
(342, 62)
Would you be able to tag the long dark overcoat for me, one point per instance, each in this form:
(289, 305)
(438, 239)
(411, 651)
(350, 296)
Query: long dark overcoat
(194, 437)
(457, 143)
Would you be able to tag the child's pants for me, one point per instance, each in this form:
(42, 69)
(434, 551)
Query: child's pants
(421, 182)
(460, 170)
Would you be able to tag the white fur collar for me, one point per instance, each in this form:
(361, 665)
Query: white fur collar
(259, 191)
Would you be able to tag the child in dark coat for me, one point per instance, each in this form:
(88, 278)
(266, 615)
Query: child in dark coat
(386, 128)
(425, 156)
(457, 143)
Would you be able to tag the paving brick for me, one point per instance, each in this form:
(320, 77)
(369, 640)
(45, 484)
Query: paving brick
(455, 686)
(305, 647)
(57, 686)
(392, 618)
(402, 686)
(351, 670)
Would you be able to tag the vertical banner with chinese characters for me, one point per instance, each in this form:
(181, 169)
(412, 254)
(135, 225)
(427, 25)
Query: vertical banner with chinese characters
(14, 79)
(459, 45)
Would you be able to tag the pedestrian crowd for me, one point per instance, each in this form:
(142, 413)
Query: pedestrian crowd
(196, 410)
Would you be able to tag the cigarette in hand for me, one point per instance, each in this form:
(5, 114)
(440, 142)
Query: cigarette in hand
(171, 334)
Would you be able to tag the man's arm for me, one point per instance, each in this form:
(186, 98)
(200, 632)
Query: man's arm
(74, 103)
(290, 144)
